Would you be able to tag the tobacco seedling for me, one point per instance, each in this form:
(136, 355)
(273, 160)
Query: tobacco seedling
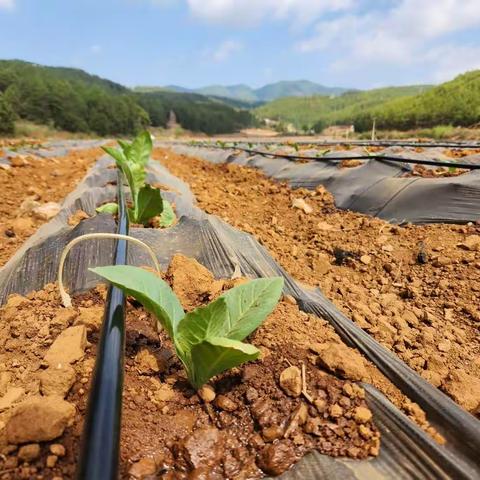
(131, 159)
(208, 340)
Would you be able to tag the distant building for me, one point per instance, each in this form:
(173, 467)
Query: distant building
(335, 131)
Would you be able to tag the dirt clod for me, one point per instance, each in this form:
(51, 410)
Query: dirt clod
(202, 448)
(68, 347)
(57, 380)
(12, 395)
(146, 362)
(143, 468)
(57, 449)
(29, 452)
(277, 457)
(362, 415)
(291, 381)
(342, 360)
(224, 403)
(207, 393)
(39, 419)
(464, 389)
(51, 461)
(47, 211)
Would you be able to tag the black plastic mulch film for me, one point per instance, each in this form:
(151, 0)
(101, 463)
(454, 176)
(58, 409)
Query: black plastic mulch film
(406, 451)
(378, 187)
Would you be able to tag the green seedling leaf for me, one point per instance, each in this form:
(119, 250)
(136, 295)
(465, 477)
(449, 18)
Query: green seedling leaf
(133, 170)
(249, 305)
(111, 208)
(140, 149)
(125, 146)
(168, 216)
(149, 204)
(200, 324)
(131, 159)
(151, 291)
(215, 355)
(118, 155)
(207, 340)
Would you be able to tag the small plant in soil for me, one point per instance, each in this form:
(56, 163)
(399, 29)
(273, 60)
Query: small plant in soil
(131, 159)
(208, 340)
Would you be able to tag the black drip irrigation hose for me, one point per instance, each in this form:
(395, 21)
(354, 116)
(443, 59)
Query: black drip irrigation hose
(377, 143)
(434, 163)
(99, 456)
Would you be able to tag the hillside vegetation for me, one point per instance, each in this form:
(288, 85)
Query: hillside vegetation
(454, 103)
(319, 111)
(256, 96)
(73, 100)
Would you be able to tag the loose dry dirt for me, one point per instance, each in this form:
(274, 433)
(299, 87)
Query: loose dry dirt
(415, 289)
(247, 423)
(30, 190)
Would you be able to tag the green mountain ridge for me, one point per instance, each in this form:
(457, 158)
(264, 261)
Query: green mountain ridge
(73, 100)
(456, 103)
(318, 111)
(250, 95)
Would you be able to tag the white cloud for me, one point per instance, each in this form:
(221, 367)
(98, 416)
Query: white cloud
(7, 4)
(95, 49)
(411, 33)
(252, 12)
(224, 51)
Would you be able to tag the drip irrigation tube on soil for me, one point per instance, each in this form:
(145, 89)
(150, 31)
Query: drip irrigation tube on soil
(383, 188)
(99, 457)
(375, 143)
(469, 166)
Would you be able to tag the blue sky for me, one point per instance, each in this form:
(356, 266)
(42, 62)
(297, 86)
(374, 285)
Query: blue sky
(350, 43)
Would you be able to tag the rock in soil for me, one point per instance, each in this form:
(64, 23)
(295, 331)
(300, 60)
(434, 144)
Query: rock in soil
(68, 347)
(464, 389)
(39, 419)
(57, 449)
(207, 393)
(57, 380)
(224, 403)
(12, 395)
(291, 381)
(362, 415)
(29, 452)
(46, 211)
(203, 448)
(340, 359)
(146, 362)
(143, 468)
(277, 457)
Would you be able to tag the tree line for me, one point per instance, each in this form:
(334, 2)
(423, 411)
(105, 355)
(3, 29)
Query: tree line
(455, 103)
(72, 100)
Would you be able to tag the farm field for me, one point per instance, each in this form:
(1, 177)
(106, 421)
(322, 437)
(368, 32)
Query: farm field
(389, 347)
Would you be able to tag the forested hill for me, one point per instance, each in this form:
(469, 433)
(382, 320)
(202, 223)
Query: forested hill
(454, 103)
(320, 111)
(73, 100)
